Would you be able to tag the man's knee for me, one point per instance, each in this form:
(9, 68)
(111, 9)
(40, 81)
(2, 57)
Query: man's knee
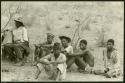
(91, 63)
(70, 60)
(39, 66)
(79, 59)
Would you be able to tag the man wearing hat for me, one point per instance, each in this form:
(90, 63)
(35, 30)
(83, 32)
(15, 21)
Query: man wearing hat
(20, 45)
(44, 48)
(54, 64)
(67, 50)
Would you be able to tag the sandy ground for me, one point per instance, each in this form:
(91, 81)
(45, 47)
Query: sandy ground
(27, 73)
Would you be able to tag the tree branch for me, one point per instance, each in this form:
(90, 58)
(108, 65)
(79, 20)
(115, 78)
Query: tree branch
(10, 16)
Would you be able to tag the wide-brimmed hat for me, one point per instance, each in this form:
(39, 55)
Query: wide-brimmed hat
(18, 18)
(50, 35)
(65, 37)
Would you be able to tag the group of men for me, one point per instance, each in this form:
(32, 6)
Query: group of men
(57, 58)
(63, 56)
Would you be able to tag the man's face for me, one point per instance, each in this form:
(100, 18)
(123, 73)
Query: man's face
(109, 45)
(56, 51)
(17, 24)
(64, 42)
(82, 46)
(49, 39)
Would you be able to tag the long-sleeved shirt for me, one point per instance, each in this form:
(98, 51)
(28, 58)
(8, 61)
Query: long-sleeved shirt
(20, 34)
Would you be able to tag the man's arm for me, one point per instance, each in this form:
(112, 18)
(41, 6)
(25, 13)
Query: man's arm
(115, 57)
(46, 46)
(25, 37)
(45, 59)
(80, 53)
(61, 60)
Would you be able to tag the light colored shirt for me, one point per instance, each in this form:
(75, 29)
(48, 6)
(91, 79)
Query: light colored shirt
(20, 34)
(113, 62)
(61, 66)
(69, 49)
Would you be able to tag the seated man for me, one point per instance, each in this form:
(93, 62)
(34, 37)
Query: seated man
(54, 64)
(67, 50)
(44, 48)
(84, 59)
(111, 58)
(20, 43)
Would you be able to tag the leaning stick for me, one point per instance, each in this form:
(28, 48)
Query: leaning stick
(78, 31)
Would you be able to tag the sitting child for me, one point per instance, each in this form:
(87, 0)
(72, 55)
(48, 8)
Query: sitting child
(54, 64)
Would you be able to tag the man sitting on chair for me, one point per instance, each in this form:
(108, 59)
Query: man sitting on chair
(20, 43)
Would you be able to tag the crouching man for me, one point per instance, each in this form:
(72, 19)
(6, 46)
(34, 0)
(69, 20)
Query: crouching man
(53, 64)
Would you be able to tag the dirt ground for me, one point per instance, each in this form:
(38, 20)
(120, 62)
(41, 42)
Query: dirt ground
(27, 73)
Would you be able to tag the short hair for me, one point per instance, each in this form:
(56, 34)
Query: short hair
(57, 46)
(83, 41)
(111, 40)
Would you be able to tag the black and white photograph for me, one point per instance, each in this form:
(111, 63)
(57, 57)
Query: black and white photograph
(55, 41)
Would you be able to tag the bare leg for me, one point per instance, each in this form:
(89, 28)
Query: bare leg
(70, 61)
(80, 63)
(38, 71)
(58, 76)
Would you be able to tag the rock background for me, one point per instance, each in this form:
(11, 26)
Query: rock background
(59, 18)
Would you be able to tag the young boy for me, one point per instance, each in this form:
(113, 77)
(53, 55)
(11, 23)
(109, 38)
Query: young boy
(54, 64)
(84, 59)
(112, 62)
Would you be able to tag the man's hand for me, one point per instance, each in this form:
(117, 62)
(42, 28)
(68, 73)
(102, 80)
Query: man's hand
(54, 63)
(45, 61)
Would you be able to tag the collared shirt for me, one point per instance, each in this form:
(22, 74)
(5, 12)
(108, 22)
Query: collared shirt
(20, 34)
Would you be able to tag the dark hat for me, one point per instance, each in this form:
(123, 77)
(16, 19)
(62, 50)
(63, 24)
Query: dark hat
(65, 37)
(50, 35)
(57, 46)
